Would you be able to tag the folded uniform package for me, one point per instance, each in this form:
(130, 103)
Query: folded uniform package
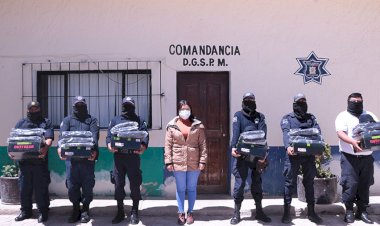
(126, 137)
(128, 141)
(304, 132)
(76, 144)
(252, 144)
(70, 134)
(24, 147)
(39, 132)
(313, 145)
(369, 136)
(125, 126)
(306, 141)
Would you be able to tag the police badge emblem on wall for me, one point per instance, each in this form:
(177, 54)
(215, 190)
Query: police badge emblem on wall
(312, 68)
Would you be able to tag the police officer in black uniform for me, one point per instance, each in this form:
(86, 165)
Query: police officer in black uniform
(299, 118)
(80, 173)
(127, 163)
(248, 119)
(34, 173)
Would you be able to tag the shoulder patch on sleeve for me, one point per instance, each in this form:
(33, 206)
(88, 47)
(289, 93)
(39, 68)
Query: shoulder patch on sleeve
(284, 121)
(234, 119)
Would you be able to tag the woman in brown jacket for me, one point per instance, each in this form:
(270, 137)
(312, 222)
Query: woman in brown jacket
(185, 156)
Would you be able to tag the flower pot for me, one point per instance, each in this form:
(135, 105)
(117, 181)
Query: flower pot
(325, 190)
(9, 190)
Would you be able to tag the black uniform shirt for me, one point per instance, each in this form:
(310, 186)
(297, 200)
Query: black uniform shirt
(242, 122)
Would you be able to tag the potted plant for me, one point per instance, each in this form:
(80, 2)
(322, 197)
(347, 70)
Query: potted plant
(9, 190)
(325, 182)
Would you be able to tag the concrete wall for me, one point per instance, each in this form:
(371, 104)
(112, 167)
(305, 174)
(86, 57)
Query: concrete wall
(270, 35)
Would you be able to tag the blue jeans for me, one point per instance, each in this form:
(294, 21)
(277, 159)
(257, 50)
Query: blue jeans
(186, 181)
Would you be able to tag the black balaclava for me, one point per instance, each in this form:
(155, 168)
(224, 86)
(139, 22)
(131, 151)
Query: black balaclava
(300, 109)
(34, 116)
(355, 108)
(249, 106)
(80, 111)
(128, 110)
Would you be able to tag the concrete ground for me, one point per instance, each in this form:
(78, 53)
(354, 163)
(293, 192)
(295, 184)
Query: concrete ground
(209, 210)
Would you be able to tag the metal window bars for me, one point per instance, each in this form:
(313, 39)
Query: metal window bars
(102, 83)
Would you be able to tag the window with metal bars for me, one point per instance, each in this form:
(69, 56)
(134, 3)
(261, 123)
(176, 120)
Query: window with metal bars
(103, 90)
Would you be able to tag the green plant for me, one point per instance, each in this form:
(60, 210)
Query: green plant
(10, 170)
(321, 161)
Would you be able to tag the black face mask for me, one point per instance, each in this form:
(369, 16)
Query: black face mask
(34, 116)
(80, 111)
(300, 109)
(128, 110)
(249, 106)
(355, 108)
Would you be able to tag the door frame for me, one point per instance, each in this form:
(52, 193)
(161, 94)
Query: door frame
(227, 169)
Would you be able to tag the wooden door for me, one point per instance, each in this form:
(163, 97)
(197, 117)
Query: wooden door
(207, 93)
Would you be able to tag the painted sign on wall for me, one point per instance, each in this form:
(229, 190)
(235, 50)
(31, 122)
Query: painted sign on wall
(312, 68)
(204, 55)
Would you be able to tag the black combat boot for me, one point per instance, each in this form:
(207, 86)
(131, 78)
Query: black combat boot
(349, 216)
(135, 212)
(120, 216)
(286, 219)
(362, 214)
(43, 215)
(75, 215)
(236, 218)
(85, 215)
(23, 215)
(313, 217)
(260, 215)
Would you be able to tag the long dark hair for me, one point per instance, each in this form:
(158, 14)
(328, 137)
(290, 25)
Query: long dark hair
(185, 102)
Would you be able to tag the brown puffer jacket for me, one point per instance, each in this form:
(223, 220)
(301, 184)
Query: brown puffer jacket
(185, 155)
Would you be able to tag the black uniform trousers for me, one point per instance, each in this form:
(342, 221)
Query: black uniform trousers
(80, 174)
(240, 171)
(291, 171)
(127, 164)
(34, 176)
(356, 178)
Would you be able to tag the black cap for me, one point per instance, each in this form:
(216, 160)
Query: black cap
(79, 99)
(249, 95)
(128, 100)
(33, 104)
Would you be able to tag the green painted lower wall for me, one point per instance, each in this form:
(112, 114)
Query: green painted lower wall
(151, 165)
